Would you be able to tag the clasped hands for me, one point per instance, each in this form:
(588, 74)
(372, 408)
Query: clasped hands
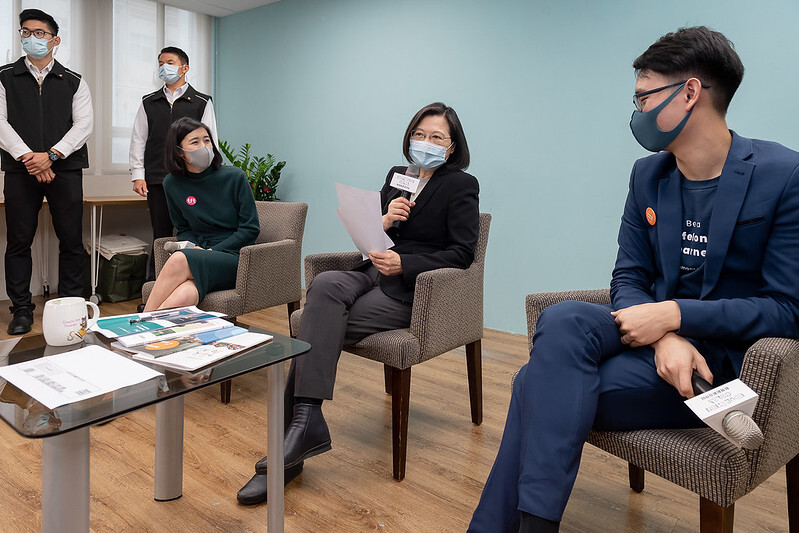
(655, 324)
(38, 165)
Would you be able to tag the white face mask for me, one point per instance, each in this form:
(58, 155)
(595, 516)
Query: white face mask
(427, 155)
(169, 73)
(35, 47)
(201, 157)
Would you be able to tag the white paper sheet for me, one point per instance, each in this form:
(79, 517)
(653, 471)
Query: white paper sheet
(359, 211)
(68, 377)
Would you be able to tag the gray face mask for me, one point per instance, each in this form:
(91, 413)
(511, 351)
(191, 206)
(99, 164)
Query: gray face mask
(644, 125)
(201, 157)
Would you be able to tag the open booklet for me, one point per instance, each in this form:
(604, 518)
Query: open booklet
(116, 326)
(192, 353)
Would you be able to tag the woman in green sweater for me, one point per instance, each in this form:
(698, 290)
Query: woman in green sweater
(211, 206)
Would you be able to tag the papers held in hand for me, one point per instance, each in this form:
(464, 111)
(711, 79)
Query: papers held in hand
(360, 213)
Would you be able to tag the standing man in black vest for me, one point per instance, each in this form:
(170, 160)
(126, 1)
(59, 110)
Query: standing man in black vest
(157, 111)
(45, 119)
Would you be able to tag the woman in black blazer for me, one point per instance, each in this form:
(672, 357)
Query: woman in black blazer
(436, 227)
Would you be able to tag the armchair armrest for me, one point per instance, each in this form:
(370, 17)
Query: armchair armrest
(536, 303)
(315, 264)
(454, 297)
(269, 274)
(159, 254)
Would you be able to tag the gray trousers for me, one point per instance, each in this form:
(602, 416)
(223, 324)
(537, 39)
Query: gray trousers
(340, 308)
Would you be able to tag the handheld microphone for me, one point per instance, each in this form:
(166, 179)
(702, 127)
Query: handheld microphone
(407, 186)
(738, 426)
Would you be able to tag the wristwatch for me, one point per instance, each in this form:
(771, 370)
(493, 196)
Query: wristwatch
(52, 155)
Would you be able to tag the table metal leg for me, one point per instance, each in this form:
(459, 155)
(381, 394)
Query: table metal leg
(274, 447)
(169, 449)
(65, 482)
(93, 274)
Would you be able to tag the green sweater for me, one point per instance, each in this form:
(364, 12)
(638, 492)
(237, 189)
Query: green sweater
(213, 209)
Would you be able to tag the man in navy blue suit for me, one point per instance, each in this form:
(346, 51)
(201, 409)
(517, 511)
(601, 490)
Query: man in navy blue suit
(708, 262)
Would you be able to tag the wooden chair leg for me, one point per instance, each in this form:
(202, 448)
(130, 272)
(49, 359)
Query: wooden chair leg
(713, 518)
(292, 306)
(400, 405)
(636, 477)
(474, 370)
(792, 477)
(224, 390)
(387, 378)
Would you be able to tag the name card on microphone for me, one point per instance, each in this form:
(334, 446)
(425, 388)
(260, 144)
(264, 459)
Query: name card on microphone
(713, 405)
(404, 183)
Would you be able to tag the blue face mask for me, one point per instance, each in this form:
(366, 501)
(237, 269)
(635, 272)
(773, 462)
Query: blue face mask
(427, 155)
(35, 47)
(644, 125)
(169, 73)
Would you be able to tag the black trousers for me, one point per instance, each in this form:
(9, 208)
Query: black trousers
(23, 198)
(159, 217)
(340, 308)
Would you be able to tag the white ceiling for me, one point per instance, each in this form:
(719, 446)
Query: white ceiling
(218, 8)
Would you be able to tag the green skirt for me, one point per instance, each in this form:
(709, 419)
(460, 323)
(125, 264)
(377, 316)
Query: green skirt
(212, 270)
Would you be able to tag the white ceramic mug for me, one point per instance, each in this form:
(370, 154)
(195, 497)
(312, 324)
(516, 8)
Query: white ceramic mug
(65, 320)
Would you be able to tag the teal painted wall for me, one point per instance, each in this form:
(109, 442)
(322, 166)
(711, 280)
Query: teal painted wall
(543, 89)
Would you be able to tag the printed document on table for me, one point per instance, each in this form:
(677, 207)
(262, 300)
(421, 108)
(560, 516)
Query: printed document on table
(115, 326)
(69, 377)
(206, 354)
(360, 213)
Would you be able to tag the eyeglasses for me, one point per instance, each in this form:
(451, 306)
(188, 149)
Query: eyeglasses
(639, 105)
(25, 32)
(435, 137)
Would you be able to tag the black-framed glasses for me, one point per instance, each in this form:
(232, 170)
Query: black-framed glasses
(25, 32)
(639, 105)
(435, 137)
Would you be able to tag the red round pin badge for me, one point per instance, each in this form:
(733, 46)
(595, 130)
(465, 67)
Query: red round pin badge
(191, 200)
(650, 216)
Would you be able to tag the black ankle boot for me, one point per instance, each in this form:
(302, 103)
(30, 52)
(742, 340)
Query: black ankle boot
(536, 524)
(307, 434)
(254, 492)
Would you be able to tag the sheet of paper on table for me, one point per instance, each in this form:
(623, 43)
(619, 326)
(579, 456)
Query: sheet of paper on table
(69, 377)
(360, 213)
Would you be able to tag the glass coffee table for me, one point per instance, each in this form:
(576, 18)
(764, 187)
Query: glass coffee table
(65, 430)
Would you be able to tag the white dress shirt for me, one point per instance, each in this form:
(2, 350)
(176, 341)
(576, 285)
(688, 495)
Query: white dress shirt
(82, 118)
(138, 138)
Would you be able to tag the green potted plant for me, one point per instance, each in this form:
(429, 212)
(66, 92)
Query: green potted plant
(263, 173)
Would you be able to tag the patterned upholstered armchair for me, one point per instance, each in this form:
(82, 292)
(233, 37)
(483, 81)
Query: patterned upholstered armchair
(269, 270)
(447, 313)
(701, 460)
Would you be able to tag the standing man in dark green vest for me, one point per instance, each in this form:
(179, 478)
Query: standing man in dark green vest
(46, 118)
(158, 110)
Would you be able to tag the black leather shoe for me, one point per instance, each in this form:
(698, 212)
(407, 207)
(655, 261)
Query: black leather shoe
(254, 492)
(22, 321)
(306, 436)
(140, 308)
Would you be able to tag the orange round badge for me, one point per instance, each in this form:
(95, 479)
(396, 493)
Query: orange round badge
(650, 216)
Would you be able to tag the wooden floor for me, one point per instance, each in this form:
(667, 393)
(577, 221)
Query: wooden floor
(350, 488)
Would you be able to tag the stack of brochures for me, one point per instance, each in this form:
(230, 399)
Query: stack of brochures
(110, 245)
(182, 339)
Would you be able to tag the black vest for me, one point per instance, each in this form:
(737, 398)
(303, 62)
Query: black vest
(159, 116)
(41, 116)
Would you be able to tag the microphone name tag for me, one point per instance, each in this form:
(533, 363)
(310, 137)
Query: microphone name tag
(404, 183)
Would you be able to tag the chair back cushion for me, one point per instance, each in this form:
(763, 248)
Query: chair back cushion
(281, 220)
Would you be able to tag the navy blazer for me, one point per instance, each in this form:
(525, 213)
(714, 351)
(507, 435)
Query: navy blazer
(750, 287)
(441, 230)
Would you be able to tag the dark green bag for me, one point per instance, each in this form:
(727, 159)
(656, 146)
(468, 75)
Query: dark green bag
(122, 277)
